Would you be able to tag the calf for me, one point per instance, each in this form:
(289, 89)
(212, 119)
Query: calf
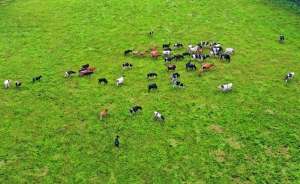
(171, 67)
(289, 76)
(120, 81)
(225, 87)
(102, 81)
(6, 84)
(69, 73)
(38, 78)
(103, 114)
(151, 75)
(158, 116)
(152, 86)
(135, 109)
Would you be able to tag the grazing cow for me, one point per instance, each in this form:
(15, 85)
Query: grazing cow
(87, 72)
(225, 57)
(178, 45)
(117, 142)
(151, 75)
(158, 116)
(168, 59)
(216, 50)
(135, 109)
(120, 81)
(103, 114)
(102, 81)
(190, 66)
(186, 54)
(38, 78)
(166, 45)
(178, 84)
(127, 66)
(18, 84)
(289, 76)
(281, 38)
(7, 84)
(127, 52)
(229, 51)
(171, 67)
(178, 57)
(206, 66)
(225, 87)
(200, 56)
(152, 86)
(154, 53)
(69, 73)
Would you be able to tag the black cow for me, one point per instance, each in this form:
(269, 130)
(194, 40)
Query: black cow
(85, 66)
(135, 109)
(225, 57)
(281, 38)
(151, 75)
(186, 54)
(178, 57)
(151, 33)
(117, 141)
(126, 52)
(171, 67)
(38, 78)
(168, 59)
(152, 86)
(166, 45)
(175, 75)
(102, 81)
(190, 66)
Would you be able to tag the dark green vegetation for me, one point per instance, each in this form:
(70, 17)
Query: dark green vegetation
(50, 132)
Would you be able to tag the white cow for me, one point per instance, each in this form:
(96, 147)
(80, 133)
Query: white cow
(229, 51)
(7, 84)
(158, 116)
(120, 81)
(193, 49)
(225, 87)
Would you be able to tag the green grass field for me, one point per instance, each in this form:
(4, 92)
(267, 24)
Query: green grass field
(50, 131)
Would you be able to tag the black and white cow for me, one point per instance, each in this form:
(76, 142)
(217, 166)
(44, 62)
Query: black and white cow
(151, 75)
(38, 78)
(166, 45)
(135, 109)
(200, 56)
(152, 86)
(225, 57)
(127, 65)
(102, 81)
(177, 84)
(18, 84)
(289, 76)
(158, 116)
(168, 59)
(69, 73)
(178, 45)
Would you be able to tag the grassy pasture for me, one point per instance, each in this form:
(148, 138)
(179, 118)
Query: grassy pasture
(50, 133)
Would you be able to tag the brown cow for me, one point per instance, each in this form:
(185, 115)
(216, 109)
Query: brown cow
(103, 114)
(171, 67)
(205, 67)
(154, 53)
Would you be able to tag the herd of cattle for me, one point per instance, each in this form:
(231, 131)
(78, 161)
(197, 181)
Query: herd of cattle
(201, 52)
